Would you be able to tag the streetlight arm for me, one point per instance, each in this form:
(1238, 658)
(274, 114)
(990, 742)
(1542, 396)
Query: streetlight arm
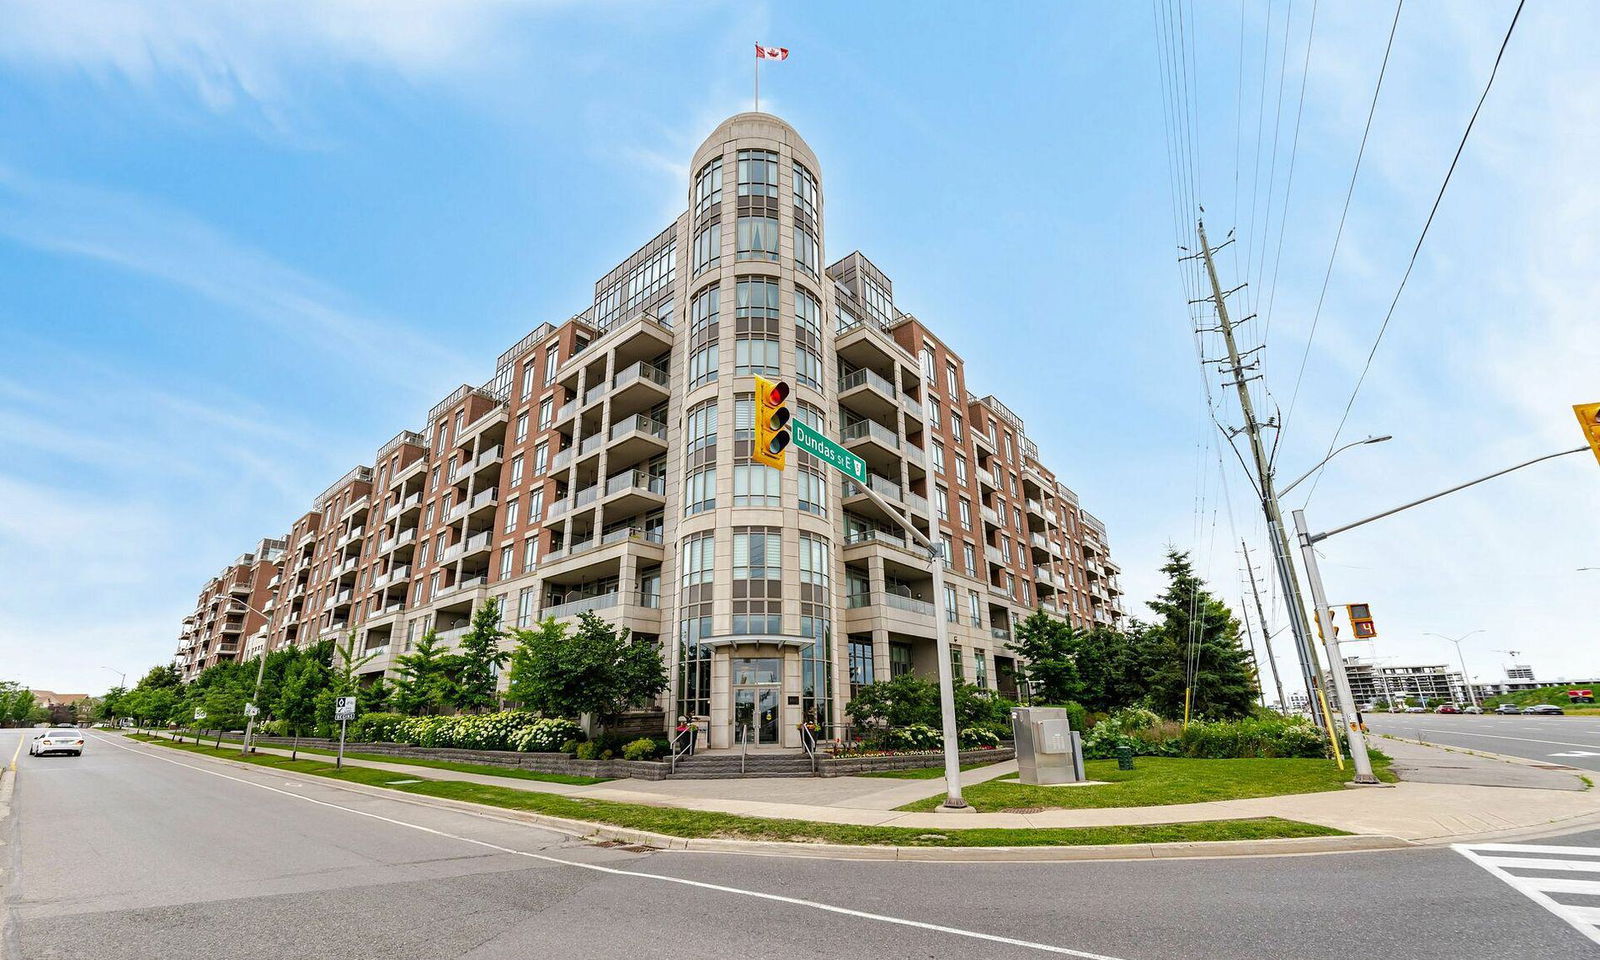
(1355, 443)
(1317, 537)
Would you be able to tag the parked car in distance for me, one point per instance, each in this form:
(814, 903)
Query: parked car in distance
(1416, 710)
(1471, 709)
(1543, 710)
(1507, 709)
(1446, 708)
(57, 740)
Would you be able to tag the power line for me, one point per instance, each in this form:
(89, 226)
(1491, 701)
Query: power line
(1294, 150)
(1316, 315)
(1493, 72)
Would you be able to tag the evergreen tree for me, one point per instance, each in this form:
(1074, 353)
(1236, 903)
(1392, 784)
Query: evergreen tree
(478, 660)
(1195, 648)
(422, 679)
(1050, 647)
(1111, 667)
(296, 705)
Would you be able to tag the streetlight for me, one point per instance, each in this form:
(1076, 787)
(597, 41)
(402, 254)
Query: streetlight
(122, 675)
(1464, 678)
(261, 669)
(1355, 443)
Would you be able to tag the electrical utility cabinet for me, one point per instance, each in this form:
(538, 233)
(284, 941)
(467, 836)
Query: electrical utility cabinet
(1048, 749)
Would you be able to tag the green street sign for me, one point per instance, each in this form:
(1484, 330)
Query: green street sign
(828, 452)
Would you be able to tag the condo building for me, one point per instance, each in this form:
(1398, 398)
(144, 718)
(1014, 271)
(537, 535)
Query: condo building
(605, 466)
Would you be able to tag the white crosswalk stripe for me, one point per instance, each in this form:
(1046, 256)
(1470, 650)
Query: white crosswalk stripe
(1516, 864)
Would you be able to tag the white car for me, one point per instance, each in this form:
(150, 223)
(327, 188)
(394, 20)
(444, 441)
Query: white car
(57, 740)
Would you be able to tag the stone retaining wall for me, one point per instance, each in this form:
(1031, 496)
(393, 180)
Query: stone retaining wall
(845, 766)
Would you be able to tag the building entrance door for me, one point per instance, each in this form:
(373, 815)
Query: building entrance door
(756, 689)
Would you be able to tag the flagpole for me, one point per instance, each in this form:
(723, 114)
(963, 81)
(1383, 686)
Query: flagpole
(758, 84)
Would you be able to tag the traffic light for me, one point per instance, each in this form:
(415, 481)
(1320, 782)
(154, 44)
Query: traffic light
(1589, 418)
(772, 422)
(1361, 621)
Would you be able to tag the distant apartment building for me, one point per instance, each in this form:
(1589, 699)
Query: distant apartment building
(1432, 683)
(605, 466)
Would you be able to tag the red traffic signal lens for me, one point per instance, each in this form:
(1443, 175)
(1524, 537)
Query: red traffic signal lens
(778, 394)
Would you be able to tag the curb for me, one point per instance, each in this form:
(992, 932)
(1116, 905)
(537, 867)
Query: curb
(597, 832)
(1519, 761)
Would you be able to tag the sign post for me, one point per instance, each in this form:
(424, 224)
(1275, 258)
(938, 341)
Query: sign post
(344, 711)
(836, 456)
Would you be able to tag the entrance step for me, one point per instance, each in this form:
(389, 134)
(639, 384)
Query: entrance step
(725, 767)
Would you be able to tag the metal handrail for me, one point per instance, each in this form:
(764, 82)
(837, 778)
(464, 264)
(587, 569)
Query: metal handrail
(745, 730)
(683, 749)
(808, 740)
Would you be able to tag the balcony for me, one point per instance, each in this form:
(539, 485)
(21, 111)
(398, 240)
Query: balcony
(1036, 508)
(866, 392)
(484, 500)
(637, 437)
(478, 544)
(916, 503)
(986, 480)
(874, 431)
(348, 566)
(909, 604)
(634, 490)
(343, 597)
(239, 589)
(983, 441)
(357, 504)
(639, 387)
(349, 538)
(586, 496)
(995, 555)
(409, 470)
(604, 601)
(566, 410)
(591, 444)
(450, 553)
(488, 458)
(882, 486)
(625, 534)
(990, 516)
(561, 461)
(1001, 634)
(400, 539)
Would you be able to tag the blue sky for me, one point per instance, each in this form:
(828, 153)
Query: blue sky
(242, 245)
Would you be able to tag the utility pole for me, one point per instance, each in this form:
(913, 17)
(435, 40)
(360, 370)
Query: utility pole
(1255, 660)
(1265, 486)
(1261, 615)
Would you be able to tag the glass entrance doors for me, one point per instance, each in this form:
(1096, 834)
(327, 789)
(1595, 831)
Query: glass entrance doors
(756, 687)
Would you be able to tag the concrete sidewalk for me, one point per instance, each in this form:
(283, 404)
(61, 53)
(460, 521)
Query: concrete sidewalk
(1412, 811)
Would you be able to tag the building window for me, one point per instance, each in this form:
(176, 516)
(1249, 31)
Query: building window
(938, 456)
(516, 469)
(699, 559)
(756, 238)
(703, 336)
(756, 485)
(952, 609)
(522, 428)
(899, 659)
(974, 608)
(708, 186)
(527, 379)
(970, 554)
(860, 665)
(933, 411)
(511, 514)
(951, 377)
(700, 491)
(980, 669)
(547, 411)
(507, 558)
(966, 513)
(814, 567)
(541, 458)
(813, 491)
(955, 426)
(755, 356)
(757, 553)
(536, 505)
(927, 363)
(805, 191)
(808, 339)
(807, 253)
(941, 502)
(961, 469)
(530, 553)
(758, 173)
(707, 246)
(702, 426)
(756, 298)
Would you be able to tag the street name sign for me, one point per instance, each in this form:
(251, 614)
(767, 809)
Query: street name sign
(345, 708)
(828, 452)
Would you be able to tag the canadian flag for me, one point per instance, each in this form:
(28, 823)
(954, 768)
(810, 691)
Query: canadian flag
(771, 53)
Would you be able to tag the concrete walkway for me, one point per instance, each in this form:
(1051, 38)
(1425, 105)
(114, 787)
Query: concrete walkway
(1413, 811)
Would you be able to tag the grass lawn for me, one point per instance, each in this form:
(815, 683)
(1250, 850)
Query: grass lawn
(486, 769)
(918, 773)
(1156, 781)
(695, 823)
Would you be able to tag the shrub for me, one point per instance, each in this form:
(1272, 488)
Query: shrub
(1254, 737)
(376, 727)
(545, 735)
(977, 737)
(916, 736)
(642, 749)
(588, 751)
(1136, 728)
(569, 746)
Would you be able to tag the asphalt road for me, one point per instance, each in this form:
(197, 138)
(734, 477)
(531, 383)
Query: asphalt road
(140, 852)
(1573, 741)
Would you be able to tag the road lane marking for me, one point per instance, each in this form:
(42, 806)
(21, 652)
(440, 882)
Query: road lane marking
(616, 871)
(1585, 920)
(16, 753)
(1559, 743)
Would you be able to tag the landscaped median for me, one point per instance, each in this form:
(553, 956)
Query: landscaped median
(1159, 781)
(683, 823)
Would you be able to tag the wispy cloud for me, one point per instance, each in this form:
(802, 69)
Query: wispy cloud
(165, 243)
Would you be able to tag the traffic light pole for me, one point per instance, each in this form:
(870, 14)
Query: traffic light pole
(941, 633)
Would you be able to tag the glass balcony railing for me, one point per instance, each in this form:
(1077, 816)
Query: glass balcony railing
(874, 430)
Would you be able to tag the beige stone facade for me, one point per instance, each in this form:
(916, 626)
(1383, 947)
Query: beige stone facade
(605, 466)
